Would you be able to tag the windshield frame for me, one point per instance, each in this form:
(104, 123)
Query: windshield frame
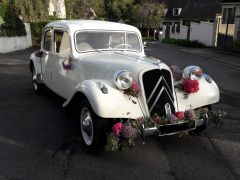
(113, 50)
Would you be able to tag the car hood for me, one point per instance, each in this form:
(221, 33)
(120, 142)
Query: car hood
(103, 65)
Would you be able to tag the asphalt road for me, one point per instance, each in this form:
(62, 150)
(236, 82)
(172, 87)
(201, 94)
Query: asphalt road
(38, 139)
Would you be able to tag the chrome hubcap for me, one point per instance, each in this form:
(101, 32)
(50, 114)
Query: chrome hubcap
(86, 126)
(34, 78)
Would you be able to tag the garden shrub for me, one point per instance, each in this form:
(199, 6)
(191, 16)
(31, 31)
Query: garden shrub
(11, 25)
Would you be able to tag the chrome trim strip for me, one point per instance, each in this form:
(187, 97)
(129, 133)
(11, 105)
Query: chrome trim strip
(159, 94)
(178, 132)
(154, 89)
(167, 84)
(169, 96)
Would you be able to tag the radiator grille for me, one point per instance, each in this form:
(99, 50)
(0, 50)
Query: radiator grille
(158, 91)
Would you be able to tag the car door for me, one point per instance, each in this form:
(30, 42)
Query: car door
(47, 63)
(62, 78)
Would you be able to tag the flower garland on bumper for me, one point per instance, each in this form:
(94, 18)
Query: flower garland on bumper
(125, 131)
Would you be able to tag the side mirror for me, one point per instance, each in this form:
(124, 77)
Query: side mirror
(145, 44)
(39, 53)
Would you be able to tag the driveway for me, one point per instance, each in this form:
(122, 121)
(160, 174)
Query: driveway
(38, 139)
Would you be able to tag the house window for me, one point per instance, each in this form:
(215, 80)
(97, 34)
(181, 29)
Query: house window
(176, 11)
(165, 12)
(177, 25)
(228, 15)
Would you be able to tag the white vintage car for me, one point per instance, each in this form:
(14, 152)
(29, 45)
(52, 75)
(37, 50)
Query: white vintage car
(90, 64)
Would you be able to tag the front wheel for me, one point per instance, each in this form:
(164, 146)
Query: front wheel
(93, 129)
(37, 87)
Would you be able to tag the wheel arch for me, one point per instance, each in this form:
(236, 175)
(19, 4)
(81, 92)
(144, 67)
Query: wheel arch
(113, 104)
(31, 65)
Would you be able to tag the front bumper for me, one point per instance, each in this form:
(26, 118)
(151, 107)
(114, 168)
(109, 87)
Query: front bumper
(176, 128)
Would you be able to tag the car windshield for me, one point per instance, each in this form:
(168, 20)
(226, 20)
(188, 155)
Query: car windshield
(107, 40)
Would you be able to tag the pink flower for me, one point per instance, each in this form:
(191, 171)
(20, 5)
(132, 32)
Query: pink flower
(128, 132)
(135, 86)
(180, 115)
(117, 128)
(190, 86)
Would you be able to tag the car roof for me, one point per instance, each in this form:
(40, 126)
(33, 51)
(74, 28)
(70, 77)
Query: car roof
(74, 25)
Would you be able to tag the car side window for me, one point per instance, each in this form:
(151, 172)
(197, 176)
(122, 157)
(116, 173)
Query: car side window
(47, 41)
(62, 42)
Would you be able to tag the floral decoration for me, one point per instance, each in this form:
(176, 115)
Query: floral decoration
(186, 85)
(124, 133)
(133, 90)
(176, 72)
(179, 115)
(117, 128)
(190, 86)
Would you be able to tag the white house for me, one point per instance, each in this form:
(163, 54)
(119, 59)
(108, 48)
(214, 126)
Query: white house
(230, 24)
(57, 8)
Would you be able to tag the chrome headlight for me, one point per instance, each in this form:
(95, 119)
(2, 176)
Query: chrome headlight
(192, 72)
(122, 79)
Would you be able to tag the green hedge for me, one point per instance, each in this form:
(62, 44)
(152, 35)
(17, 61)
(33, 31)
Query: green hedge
(36, 30)
(183, 42)
(11, 25)
(37, 27)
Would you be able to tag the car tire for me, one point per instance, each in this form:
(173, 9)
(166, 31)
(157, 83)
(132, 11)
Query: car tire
(93, 129)
(37, 87)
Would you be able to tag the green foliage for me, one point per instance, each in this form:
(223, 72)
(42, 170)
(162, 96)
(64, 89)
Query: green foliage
(217, 117)
(11, 24)
(80, 9)
(32, 10)
(148, 15)
(117, 10)
(183, 42)
(36, 29)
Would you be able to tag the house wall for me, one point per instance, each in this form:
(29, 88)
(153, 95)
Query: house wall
(57, 7)
(231, 29)
(202, 32)
(11, 44)
(181, 35)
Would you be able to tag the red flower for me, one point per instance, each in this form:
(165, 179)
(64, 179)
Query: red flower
(117, 128)
(190, 86)
(135, 86)
(157, 119)
(180, 115)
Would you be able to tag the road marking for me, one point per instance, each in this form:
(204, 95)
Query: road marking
(11, 142)
(23, 145)
(220, 61)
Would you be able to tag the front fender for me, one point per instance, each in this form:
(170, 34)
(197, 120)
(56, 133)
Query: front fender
(114, 104)
(208, 94)
(36, 62)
